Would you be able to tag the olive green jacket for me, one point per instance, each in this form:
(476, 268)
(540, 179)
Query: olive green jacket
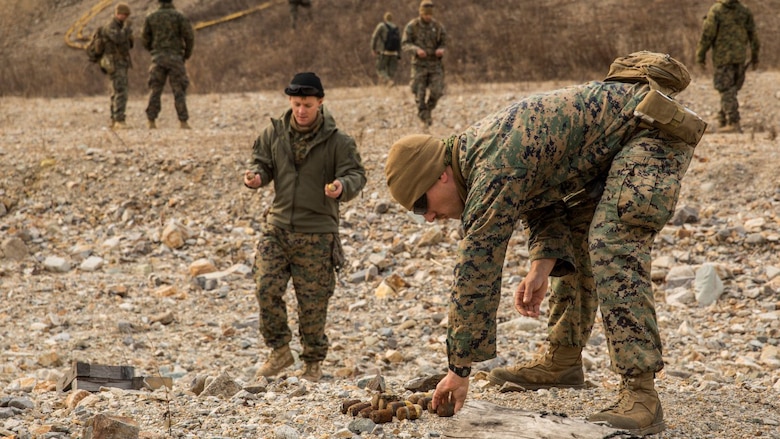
(300, 204)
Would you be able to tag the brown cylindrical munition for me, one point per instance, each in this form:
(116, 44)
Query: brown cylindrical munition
(416, 397)
(425, 403)
(395, 405)
(354, 409)
(446, 409)
(385, 399)
(382, 416)
(409, 412)
(345, 405)
(366, 412)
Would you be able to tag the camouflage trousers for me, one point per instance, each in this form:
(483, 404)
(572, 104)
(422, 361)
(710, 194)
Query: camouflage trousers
(613, 237)
(172, 70)
(119, 93)
(306, 258)
(428, 87)
(386, 66)
(728, 80)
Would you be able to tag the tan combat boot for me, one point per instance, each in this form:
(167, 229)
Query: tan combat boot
(119, 125)
(280, 359)
(184, 125)
(558, 366)
(312, 372)
(151, 124)
(638, 408)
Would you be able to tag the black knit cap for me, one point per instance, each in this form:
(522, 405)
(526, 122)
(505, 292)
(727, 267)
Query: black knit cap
(305, 84)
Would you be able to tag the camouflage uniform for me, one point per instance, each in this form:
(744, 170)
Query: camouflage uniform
(118, 37)
(521, 164)
(728, 29)
(294, 4)
(169, 37)
(428, 72)
(386, 60)
(300, 235)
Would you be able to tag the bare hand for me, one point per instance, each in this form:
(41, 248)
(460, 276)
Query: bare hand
(334, 189)
(451, 389)
(421, 53)
(252, 180)
(531, 291)
(439, 53)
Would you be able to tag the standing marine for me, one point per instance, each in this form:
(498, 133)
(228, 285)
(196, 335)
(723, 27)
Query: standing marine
(169, 37)
(426, 39)
(117, 37)
(728, 30)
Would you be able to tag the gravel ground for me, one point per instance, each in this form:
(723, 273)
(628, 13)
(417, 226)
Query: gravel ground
(71, 190)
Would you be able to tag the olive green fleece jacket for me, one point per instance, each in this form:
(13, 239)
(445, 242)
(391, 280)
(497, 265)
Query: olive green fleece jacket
(300, 204)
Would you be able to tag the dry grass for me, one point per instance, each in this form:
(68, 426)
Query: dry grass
(507, 41)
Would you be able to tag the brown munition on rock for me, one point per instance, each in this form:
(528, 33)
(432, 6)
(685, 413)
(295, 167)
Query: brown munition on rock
(382, 416)
(346, 404)
(354, 409)
(409, 412)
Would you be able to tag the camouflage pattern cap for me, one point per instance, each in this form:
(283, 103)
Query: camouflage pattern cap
(426, 7)
(413, 165)
(122, 8)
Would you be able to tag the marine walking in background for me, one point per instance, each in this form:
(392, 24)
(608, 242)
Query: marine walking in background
(426, 39)
(729, 30)
(386, 47)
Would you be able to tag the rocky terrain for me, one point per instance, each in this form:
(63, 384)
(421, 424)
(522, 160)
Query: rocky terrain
(106, 240)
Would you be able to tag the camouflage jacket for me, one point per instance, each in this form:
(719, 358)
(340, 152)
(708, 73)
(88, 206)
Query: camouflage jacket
(379, 37)
(514, 165)
(118, 40)
(167, 32)
(426, 36)
(728, 29)
(300, 204)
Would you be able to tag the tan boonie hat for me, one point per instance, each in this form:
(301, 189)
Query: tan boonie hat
(122, 8)
(413, 165)
(388, 16)
(426, 7)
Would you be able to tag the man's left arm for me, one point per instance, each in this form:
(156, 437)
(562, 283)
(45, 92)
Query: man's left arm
(188, 36)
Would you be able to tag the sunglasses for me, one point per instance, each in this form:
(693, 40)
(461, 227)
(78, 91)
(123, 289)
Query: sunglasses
(302, 90)
(421, 205)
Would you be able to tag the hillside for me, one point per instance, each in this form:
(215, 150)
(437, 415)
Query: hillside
(507, 41)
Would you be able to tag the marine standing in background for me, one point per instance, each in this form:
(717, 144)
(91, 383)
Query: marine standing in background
(426, 39)
(386, 47)
(118, 40)
(169, 37)
(313, 166)
(294, 4)
(728, 29)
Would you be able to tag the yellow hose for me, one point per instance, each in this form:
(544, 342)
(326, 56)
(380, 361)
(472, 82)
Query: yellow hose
(233, 16)
(81, 23)
(80, 40)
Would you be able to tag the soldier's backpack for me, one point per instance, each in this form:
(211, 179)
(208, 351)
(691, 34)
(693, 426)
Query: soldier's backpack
(660, 70)
(393, 40)
(96, 46)
(666, 77)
